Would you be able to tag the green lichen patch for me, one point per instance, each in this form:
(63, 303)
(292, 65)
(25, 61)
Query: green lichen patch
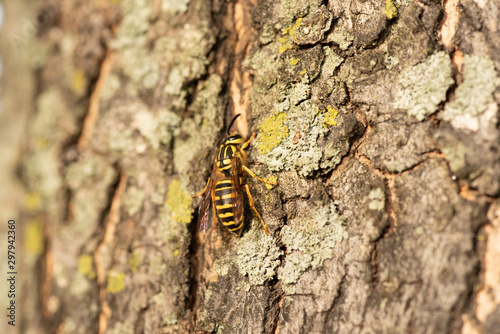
(116, 281)
(258, 257)
(33, 242)
(134, 261)
(297, 93)
(294, 61)
(89, 179)
(32, 201)
(187, 51)
(391, 11)
(390, 61)
(475, 93)
(329, 116)
(78, 82)
(286, 41)
(271, 179)
(310, 239)
(86, 266)
(271, 132)
(423, 86)
(179, 202)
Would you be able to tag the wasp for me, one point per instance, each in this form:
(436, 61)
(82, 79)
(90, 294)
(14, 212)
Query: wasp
(223, 195)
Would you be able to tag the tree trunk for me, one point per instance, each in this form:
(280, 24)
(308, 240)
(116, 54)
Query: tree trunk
(380, 121)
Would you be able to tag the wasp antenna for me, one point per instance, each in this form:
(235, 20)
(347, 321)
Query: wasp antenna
(232, 122)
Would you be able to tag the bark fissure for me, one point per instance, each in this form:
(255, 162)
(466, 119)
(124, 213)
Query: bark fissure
(94, 102)
(334, 303)
(278, 314)
(107, 238)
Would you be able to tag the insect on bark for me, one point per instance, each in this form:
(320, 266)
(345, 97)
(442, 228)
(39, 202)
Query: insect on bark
(223, 195)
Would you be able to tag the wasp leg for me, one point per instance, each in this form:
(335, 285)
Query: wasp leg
(203, 191)
(245, 144)
(244, 147)
(252, 174)
(250, 201)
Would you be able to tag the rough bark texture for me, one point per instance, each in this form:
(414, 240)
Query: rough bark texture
(380, 120)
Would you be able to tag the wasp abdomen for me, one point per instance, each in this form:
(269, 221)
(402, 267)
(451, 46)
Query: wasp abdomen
(224, 205)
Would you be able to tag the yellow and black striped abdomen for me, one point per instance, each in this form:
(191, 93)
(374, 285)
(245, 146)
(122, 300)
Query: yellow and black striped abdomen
(225, 197)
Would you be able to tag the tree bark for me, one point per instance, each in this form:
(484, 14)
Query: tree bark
(380, 121)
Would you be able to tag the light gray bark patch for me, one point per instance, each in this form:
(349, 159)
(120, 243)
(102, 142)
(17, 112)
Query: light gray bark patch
(396, 146)
(474, 156)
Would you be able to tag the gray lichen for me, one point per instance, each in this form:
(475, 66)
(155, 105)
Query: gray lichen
(131, 41)
(292, 9)
(159, 128)
(133, 199)
(377, 199)
(208, 110)
(341, 37)
(331, 62)
(123, 328)
(47, 127)
(454, 151)
(310, 239)
(175, 6)
(222, 266)
(423, 86)
(300, 150)
(474, 94)
(258, 257)
(88, 179)
(188, 50)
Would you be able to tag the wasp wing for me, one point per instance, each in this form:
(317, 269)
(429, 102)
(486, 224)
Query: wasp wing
(238, 194)
(205, 211)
